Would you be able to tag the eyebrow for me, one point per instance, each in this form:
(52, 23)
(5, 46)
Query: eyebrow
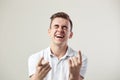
(56, 25)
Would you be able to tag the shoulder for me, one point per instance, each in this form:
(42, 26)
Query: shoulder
(37, 55)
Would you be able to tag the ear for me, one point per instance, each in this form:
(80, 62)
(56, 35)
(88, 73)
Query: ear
(49, 32)
(71, 34)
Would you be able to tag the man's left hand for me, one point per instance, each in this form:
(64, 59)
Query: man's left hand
(74, 67)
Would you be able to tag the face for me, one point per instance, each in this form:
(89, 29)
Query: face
(59, 31)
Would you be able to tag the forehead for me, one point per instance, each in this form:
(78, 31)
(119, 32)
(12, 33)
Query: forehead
(60, 21)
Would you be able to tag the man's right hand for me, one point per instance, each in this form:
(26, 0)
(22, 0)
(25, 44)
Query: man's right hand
(42, 69)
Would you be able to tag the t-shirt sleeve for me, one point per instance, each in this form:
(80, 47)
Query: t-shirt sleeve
(32, 63)
(84, 66)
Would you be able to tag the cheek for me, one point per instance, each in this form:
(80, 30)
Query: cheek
(52, 32)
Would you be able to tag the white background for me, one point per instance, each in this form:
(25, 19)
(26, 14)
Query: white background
(23, 31)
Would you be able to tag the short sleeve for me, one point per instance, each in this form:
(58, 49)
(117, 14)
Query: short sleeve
(31, 66)
(32, 63)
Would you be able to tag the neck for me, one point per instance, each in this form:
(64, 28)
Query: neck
(59, 51)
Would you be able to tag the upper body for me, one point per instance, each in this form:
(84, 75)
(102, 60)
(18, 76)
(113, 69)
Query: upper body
(59, 68)
(62, 57)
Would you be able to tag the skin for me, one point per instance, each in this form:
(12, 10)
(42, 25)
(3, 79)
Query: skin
(74, 67)
(59, 33)
(41, 70)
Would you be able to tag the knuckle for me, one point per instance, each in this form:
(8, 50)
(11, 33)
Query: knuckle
(79, 63)
(38, 68)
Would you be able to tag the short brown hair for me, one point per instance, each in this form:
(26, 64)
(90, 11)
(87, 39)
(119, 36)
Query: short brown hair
(62, 15)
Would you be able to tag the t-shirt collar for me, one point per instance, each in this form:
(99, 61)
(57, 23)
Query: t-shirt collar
(67, 54)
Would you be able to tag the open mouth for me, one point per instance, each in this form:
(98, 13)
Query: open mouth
(59, 36)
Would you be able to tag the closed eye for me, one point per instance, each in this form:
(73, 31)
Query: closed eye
(56, 26)
(65, 27)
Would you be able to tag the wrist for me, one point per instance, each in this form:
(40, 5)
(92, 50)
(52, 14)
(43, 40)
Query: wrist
(35, 77)
(74, 77)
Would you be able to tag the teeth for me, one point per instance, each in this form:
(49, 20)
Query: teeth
(59, 36)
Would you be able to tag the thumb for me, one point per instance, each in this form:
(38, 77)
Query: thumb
(40, 61)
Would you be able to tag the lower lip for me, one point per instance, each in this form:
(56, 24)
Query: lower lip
(59, 38)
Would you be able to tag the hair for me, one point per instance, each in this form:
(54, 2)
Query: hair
(61, 15)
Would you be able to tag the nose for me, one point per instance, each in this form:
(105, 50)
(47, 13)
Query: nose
(60, 29)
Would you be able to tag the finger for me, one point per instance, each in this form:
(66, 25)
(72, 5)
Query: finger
(42, 67)
(45, 64)
(75, 60)
(38, 69)
(40, 61)
(79, 56)
(46, 67)
(70, 62)
(45, 70)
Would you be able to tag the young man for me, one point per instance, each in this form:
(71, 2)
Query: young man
(58, 61)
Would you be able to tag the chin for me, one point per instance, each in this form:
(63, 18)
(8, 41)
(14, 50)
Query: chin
(60, 43)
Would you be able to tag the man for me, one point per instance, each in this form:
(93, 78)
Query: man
(58, 61)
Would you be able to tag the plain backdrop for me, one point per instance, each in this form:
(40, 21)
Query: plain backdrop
(23, 32)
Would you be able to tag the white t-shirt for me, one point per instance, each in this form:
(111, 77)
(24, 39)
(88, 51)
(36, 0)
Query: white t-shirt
(59, 68)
